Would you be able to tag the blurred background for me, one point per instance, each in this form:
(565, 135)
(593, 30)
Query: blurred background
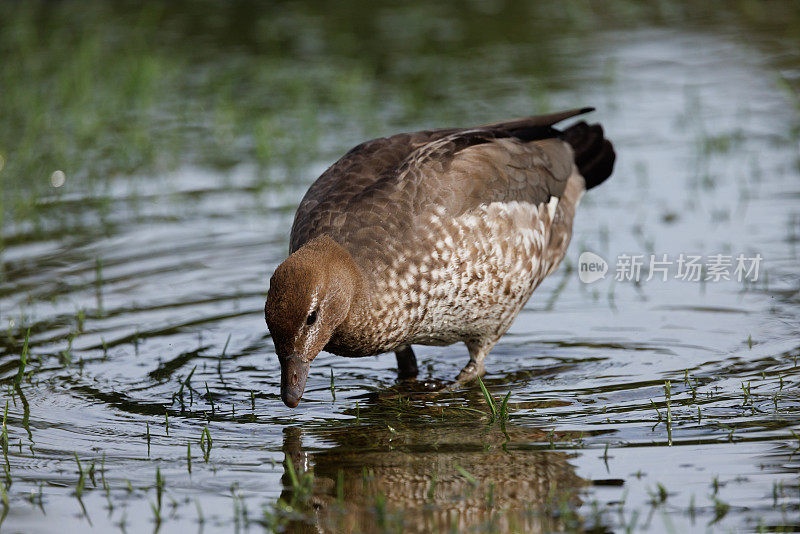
(102, 90)
(151, 159)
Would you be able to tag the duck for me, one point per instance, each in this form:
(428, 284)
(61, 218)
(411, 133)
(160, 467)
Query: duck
(429, 238)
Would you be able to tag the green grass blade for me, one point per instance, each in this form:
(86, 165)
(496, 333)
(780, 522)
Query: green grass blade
(463, 472)
(504, 407)
(23, 359)
(488, 397)
(292, 474)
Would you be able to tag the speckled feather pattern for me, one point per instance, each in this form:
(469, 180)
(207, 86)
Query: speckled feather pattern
(452, 231)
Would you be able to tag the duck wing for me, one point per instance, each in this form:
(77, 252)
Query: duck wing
(340, 190)
(381, 191)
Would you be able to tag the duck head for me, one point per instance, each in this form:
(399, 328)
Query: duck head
(309, 297)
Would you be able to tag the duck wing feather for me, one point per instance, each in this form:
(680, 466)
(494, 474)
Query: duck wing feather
(382, 190)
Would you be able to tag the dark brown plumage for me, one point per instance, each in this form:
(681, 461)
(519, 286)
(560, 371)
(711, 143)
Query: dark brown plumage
(429, 237)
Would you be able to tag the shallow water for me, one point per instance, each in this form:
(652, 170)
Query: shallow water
(142, 279)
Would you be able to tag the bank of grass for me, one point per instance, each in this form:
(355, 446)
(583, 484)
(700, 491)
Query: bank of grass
(100, 90)
(99, 93)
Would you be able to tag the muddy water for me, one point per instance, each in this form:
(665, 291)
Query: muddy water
(143, 287)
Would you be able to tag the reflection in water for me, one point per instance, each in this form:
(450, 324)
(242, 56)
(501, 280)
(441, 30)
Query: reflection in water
(454, 477)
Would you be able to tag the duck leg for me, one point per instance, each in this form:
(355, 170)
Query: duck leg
(478, 349)
(406, 362)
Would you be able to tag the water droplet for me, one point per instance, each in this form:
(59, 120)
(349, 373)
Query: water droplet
(58, 178)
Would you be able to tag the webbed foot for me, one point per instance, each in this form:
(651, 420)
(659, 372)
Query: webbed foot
(470, 372)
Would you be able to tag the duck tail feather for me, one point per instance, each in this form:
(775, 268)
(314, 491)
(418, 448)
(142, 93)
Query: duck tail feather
(594, 154)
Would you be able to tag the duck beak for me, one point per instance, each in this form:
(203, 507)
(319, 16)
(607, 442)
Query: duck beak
(294, 372)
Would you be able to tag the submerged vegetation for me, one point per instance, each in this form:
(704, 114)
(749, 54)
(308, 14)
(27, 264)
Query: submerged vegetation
(151, 158)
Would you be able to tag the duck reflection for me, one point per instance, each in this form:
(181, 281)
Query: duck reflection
(448, 477)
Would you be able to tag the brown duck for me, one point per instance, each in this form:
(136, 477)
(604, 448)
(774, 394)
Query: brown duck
(429, 238)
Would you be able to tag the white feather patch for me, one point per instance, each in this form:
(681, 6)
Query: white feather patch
(551, 206)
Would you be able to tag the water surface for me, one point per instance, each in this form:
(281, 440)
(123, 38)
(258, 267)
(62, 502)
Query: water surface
(187, 136)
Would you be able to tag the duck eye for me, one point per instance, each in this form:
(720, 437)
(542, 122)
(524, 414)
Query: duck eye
(312, 318)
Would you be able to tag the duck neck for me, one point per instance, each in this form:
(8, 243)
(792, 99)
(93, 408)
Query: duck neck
(345, 277)
(352, 335)
(355, 285)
